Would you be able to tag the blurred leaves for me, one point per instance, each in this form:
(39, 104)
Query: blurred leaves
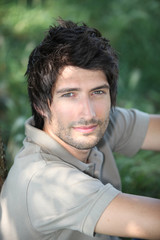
(132, 27)
(141, 175)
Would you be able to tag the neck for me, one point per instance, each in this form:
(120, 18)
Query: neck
(81, 155)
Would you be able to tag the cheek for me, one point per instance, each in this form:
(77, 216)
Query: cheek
(102, 110)
(63, 112)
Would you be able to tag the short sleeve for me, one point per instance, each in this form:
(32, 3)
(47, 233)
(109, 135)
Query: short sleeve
(127, 130)
(62, 197)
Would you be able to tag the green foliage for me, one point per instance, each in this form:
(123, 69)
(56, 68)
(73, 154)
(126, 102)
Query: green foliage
(132, 27)
(140, 175)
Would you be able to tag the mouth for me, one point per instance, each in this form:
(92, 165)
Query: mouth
(86, 129)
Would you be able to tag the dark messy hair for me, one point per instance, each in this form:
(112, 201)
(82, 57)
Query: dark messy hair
(65, 44)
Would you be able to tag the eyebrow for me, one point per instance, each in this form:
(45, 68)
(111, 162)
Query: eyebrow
(64, 90)
(100, 87)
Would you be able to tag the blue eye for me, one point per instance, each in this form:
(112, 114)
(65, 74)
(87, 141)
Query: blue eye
(99, 92)
(67, 95)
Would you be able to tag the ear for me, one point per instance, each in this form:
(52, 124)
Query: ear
(40, 111)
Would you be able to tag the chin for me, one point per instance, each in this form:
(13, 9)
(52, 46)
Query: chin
(85, 145)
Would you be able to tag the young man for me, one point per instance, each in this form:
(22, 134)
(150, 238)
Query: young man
(64, 183)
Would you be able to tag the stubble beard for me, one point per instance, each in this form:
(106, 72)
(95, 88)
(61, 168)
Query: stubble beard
(86, 140)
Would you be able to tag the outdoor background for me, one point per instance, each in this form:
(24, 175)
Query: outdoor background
(133, 28)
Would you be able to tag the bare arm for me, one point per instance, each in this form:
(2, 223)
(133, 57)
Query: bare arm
(131, 216)
(152, 139)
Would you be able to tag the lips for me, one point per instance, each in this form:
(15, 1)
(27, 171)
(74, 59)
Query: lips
(85, 129)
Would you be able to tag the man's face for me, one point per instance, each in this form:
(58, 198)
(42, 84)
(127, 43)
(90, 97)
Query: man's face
(80, 108)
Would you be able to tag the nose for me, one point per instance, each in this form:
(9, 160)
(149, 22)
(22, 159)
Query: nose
(88, 110)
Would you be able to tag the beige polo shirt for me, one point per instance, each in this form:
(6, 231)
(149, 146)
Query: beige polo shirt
(49, 194)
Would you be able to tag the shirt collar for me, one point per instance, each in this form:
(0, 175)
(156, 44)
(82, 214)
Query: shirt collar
(51, 146)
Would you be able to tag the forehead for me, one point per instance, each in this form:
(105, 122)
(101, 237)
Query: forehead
(71, 75)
